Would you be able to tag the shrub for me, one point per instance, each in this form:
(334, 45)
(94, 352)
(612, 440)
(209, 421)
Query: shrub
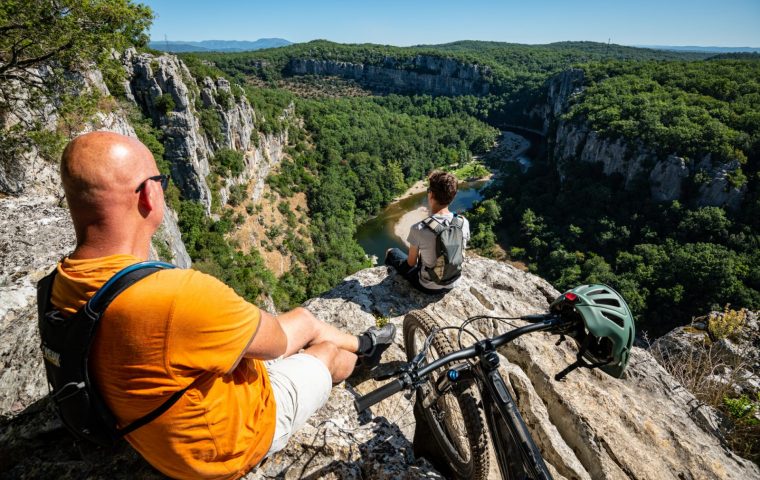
(237, 195)
(211, 124)
(744, 436)
(228, 162)
(722, 325)
(165, 103)
(223, 98)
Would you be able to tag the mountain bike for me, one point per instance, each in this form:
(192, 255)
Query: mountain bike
(453, 384)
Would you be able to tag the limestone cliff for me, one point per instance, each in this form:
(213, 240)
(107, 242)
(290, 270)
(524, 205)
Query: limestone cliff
(574, 141)
(28, 172)
(420, 74)
(165, 90)
(588, 426)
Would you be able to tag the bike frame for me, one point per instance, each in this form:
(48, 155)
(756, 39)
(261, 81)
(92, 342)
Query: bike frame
(499, 405)
(500, 408)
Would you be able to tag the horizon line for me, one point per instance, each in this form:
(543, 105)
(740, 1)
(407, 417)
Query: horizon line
(454, 41)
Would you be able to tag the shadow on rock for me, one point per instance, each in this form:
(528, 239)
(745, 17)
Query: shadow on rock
(391, 297)
(35, 444)
(385, 454)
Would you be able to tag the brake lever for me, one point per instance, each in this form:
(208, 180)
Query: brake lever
(417, 360)
(404, 368)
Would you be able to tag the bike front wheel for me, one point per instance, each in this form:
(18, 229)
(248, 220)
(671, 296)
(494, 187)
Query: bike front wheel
(454, 419)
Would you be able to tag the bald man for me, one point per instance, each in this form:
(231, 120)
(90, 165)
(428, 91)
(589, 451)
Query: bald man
(178, 328)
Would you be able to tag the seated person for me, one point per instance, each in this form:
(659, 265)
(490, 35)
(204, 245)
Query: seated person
(436, 244)
(180, 329)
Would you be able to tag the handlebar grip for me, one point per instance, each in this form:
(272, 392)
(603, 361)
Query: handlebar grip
(375, 396)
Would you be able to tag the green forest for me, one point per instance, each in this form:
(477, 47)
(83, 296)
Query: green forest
(671, 261)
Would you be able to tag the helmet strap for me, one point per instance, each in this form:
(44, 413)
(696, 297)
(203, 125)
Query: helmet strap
(580, 362)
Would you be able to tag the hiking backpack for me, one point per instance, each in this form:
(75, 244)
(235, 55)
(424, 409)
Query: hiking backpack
(449, 250)
(66, 343)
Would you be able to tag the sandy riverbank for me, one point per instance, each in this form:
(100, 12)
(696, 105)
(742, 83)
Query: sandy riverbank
(404, 224)
(418, 187)
(509, 148)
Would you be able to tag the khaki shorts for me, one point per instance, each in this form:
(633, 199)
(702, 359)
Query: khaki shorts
(301, 385)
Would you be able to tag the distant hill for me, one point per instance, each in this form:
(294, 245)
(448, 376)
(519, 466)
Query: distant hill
(218, 45)
(692, 48)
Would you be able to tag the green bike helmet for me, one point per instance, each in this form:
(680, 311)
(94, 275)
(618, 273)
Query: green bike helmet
(609, 331)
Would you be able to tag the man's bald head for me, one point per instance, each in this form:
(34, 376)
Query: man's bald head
(100, 172)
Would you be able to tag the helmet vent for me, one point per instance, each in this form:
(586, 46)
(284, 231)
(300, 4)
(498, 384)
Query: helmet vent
(601, 291)
(613, 302)
(611, 316)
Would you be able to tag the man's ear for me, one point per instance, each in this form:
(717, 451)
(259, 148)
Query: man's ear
(147, 201)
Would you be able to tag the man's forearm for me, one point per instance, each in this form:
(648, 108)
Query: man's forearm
(411, 260)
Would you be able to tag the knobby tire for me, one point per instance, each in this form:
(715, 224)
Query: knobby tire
(461, 402)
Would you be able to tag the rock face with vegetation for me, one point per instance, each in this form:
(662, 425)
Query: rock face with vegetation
(575, 140)
(422, 73)
(588, 426)
(32, 170)
(209, 131)
(159, 86)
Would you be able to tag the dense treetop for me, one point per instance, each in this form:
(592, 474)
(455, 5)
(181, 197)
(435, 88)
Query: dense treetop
(688, 108)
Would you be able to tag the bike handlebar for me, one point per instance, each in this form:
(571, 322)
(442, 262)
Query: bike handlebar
(542, 322)
(375, 396)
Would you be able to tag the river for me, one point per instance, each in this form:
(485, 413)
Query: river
(386, 229)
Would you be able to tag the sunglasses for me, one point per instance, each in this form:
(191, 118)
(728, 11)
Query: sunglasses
(164, 179)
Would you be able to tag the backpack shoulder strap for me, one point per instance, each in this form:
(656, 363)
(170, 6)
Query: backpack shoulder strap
(437, 228)
(117, 284)
(100, 302)
(122, 280)
(44, 292)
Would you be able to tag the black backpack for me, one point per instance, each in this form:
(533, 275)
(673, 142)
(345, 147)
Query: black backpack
(66, 343)
(449, 250)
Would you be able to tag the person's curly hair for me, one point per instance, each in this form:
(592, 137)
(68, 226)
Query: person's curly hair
(443, 186)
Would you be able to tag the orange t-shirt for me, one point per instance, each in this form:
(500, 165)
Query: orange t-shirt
(169, 330)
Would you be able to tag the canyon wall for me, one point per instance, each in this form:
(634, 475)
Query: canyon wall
(572, 142)
(421, 74)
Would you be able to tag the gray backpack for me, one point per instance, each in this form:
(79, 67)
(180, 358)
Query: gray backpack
(449, 249)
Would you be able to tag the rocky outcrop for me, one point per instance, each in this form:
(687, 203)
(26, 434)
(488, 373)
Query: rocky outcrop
(420, 74)
(34, 234)
(666, 177)
(718, 190)
(719, 351)
(588, 426)
(165, 90)
(154, 84)
(574, 141)
(25, 171)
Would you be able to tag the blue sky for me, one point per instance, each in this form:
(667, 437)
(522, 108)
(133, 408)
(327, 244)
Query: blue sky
(411, 22)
